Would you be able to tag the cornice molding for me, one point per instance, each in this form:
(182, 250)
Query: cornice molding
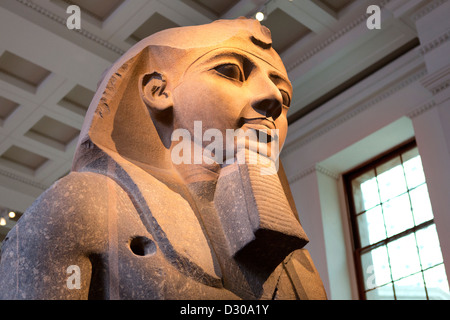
(352, 112)
(418, 111)
(444, 85)
(21, 179)
(437, 81)
(435, 43)
(427, 9)
(360, 19)
(301, 174)
(312, 169)
(62, 21)
(335, 36)
(329, 173)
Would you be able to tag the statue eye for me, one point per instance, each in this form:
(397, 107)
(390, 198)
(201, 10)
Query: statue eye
(230, 71)
(286, 98)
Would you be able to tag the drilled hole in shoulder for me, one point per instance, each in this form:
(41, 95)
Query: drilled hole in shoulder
(142, 246)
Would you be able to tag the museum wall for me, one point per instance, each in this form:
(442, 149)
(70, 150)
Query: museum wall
(408, 98)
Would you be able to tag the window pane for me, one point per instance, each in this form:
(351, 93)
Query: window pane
(429, 247)
(391, 179)
(365, 191)
(437, 283)
(375, 266)
(371, 226)
(399, 246)
(421, 205)
(403, 257)
(381, 293)
(397, 215)
(410, 288)
(413, 168)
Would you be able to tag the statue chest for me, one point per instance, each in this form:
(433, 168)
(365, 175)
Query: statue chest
(148, 258)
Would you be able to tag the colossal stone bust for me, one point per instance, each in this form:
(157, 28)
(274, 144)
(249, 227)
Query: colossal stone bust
(133, 221)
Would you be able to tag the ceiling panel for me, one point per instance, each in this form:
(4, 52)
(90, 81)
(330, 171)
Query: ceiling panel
(336, 5)
(77, 100)
(22, 157)
(155, 23)
(6, 107)
(55, 130)
(22, 69)
(99, 9)
(217, 7)
(285, 30)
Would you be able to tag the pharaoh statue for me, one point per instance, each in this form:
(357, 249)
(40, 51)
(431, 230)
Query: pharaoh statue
(140, 216)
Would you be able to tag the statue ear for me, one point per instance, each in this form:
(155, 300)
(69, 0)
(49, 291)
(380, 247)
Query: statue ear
(153, 92)
(152, 89)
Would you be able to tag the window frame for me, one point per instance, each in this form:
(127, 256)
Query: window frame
(353, 214)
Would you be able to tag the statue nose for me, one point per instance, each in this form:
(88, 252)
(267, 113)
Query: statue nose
(268, 101)
(270, 107)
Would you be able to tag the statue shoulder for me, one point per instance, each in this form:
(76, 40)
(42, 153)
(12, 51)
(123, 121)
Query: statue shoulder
(64, 227)
(73, 210)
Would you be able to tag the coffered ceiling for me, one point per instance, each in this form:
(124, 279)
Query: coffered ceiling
(48, 73)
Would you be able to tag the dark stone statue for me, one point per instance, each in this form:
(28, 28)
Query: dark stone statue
(158, 205)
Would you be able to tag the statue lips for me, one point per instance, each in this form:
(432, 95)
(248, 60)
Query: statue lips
(261, 125)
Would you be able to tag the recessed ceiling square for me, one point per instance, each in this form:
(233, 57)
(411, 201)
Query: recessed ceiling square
(23, 157)
(78, 99)
(285, 30)
(22, 69)
(99, 9)
(153, 24)
(216, 7)
(52, 129)
(336, 5)
(6, 107)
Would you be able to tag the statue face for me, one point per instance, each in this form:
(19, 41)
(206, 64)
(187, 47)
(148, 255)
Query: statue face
(230, 88)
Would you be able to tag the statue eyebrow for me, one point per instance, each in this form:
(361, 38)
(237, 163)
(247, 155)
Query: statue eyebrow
(277, 78)
(241, 56)
(221, 55)
(211, 59)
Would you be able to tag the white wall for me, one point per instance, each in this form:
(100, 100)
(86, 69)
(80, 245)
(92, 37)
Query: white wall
(408, 98)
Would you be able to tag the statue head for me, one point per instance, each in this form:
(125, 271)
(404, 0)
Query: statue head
(223, 75)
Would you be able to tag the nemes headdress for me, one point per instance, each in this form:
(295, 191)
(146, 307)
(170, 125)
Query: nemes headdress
(120, 137)
(118, 121)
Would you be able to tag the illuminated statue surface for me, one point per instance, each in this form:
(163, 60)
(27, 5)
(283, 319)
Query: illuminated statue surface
(156, 205)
